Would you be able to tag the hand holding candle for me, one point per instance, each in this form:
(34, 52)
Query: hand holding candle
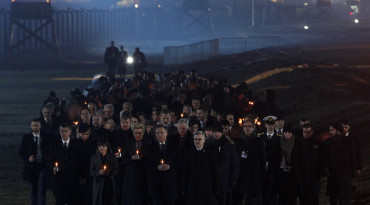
(56, 167)
(163, 166)
(119, 153)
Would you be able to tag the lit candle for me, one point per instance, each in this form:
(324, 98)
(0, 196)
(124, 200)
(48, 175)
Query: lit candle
(56, 164)
(85, 102)
(119, 152)
(162, 161)
(258, 123)
(137, 151)
(75, 122)
(105, 167)
(251, 103)
(182, 115)
(240, 121)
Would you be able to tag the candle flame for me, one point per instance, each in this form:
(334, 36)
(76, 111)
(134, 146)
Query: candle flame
(258, 123)
(85, 102)
(56, 164)
(162, 161)
(240, 121)
(182, 114)
(137, 151)
(75, 122)
(119, 149)
(105, 167)
(251, 103)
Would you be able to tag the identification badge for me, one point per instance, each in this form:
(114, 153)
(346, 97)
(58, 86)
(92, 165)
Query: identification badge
(244, 154)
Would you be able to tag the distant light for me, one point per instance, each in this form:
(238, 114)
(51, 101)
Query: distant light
(159, 6)
(13, 0)
(350, 13)
(209, 9)
(306, 27)
(136, 5)
(130, 60)
(306, 4)
(356, 21)
(47, 1)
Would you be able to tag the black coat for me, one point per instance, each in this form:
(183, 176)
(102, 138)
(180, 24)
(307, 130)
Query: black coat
(135, 188)
(252, 160)
(111, 56)
(65, 181)
(202, 177)
(50, 128)
(228, 161)
(340, 165)
(162, 184)
(28, 148)
(86, 150)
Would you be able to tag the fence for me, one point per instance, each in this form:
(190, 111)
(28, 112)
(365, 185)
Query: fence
(3, 31)
(223, 46)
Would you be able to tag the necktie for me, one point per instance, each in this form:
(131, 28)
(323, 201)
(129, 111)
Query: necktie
(163, 147)
(65, 146)
(38, 152)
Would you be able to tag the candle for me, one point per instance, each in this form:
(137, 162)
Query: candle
(75, 122)
(85, 103)
(162, 161)
(251, 103)
(56, 164)
(240, 121)
(137, 151)
(105, 167)
(182, 114)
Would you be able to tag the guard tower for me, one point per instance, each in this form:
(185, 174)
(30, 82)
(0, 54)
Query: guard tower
(32, 22)
(325, 10)
(199, 13)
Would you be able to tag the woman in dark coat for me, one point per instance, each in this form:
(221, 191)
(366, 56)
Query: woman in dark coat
(103, 168)
(135, 188)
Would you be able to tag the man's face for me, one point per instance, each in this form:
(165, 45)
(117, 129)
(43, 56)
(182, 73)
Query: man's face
(148, 128)
(307, 132)
(155, 116)
(225, 129)
(217, 135)
(270, 127)
(279, 124)
(85, 116)
(346, 128)
(161, 134)
(288, 135)
(230, 118)
(134, 120)
(65, 132)
(301, 123)
(199, 141)
(97, 121)
(182, 128)
(208, 133)
(108, 112)
(109, 125)
(125, 124)
(125, 108)
(201, 115)
(138, 134)
(193, 128)
(35, 127)
(195, 104)
(333, 131)
(248, 128)
(85, 136)
(165, 119)
(46, 113)
(91, 107)
(186, 110)
(182, 98)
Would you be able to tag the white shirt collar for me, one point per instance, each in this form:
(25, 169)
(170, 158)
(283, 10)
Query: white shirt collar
(66, 141)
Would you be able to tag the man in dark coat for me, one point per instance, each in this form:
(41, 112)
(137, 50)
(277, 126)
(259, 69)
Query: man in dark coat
(33, 151)
(135, 188)
(355, 148)
(340, 165)
(161, 165)
(87, 148)
(201, 173)
(308, 163)
(111, 57)
(224, 148)
(252, 160)
(49, 123)
(272, 146)
(64, 162)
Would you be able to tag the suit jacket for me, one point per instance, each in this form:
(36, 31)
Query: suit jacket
(162, 184)
(28, 148)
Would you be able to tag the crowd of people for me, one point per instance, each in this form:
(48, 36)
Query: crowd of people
(176, 139)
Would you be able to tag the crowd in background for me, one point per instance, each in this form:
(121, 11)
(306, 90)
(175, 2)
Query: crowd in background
(180, 139)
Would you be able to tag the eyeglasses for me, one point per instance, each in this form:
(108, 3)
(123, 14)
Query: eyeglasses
(198, 139)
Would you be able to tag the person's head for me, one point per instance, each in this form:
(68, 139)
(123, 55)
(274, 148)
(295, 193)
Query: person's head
(199, 139)
(121, 47)
(279, 123)
(269, 124)
(307, 131)
(304, 121)
(195, 102)
(230, 118)
(84, 131)
(225, 127)
(248, 127)
(208, 130)
(46, 111)
(65, 131)
(335, 129)
(186, 110)
(103, 146)
(141, 117)
(138, 130)
(155, 115)
(92, 108)
(35, 126)
(182, 126)
(109, 124)
(108, 110)
(288, 131)
(112, 43)
(217, 131)
(125, 122)
(127, 107)
(134, 120)
(193, 125)
(161, 134)
(165, 117)
(149, 125)
(346, 126)
(202, 114)
(182, 97)
(85, 115)
(97, 121)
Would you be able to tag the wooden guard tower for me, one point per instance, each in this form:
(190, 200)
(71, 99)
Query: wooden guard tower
(39, 12)
(199, 13)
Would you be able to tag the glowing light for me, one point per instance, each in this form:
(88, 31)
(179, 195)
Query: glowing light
(305, 27)
(162, 161)
(240, 121)
(251, 103)
(105, 167)
(159, 6)
(130, 60)
(350, 13)
(182, 115)
(47, 1)
(56, 164)
(75, 122)
(306, 4)
(356, 21)
(209, 9)
(136, 5)
(13, 1)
